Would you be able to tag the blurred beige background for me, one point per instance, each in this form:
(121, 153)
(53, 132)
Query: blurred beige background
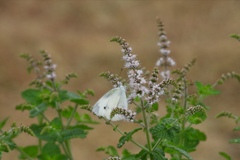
(77, 34)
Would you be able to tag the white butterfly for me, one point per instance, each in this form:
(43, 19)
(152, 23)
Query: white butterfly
(115, 98)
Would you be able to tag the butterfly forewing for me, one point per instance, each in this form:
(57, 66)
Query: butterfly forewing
(112, 99)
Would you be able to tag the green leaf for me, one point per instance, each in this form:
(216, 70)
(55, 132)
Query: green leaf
(80, 101)
(127, 137)
(39, 109)
(67, 112)
(56, 123)
(23, 107)
(51, 132)
(51, 151)
(183, 152)
(63, 95)
(51, 148)
(206, 90)
(49, 135)
(74, 132)
(236, 128)
(154, 107)
(77, 99)
(3, 122)
(32, 96)
(6, 144)
(84, 118)
(166, 129)
(30, 151)
(197, 118)
(236, 36)
(225, 155)
(126, 155)
(158, 154)
(109, 150)
(142, 155)
(191, 138)
(236, 140)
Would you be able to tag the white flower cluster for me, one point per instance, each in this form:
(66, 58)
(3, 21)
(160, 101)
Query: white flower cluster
(135, 74)
(49, 66)
(164, 60)
(155, 90)
(154, 93)
(122, 114)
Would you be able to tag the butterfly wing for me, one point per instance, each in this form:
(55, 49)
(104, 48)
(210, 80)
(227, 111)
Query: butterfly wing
(122, 102)
(112, 99)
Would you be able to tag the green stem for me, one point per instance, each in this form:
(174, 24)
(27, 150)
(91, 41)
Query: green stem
(66, 150)
(156, 144)
(145, 120)
(72, 115)
(184, 117)
(134, 142)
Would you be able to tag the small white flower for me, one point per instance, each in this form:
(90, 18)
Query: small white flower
(51, 75)
(165, 74)
(165, 51)
(159, 62)
(171, 61)
(163, 37)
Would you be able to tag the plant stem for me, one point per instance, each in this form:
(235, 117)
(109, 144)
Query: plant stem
(145, 120)
(119, 131)
(66, 150)
(72, 115)
(156, 144)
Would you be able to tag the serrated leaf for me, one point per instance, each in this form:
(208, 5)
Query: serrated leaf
(32, 96)
(109, 150)
(51, 148)
(191, 138)
(47, 136)
(51, 151)
(56, 123)
(183, 152)
(30, 151)
(7, 144)
(142, 155)
(67, 112)
(23, 107)
(76, 132)
(126, 155)
(225, 155)
(165, 129)
(3, 122)
(127, 137)
(197, 118)
(77, 99)
(63, 95)
(206, 90)
(39, 109)
(158, 154)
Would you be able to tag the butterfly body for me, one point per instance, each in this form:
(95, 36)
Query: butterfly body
(115, 98)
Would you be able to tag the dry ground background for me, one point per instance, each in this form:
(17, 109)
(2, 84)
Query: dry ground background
(77, 34)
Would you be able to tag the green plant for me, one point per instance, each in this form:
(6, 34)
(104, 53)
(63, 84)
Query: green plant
(7, 137)
(173, 135)
(54, 132)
